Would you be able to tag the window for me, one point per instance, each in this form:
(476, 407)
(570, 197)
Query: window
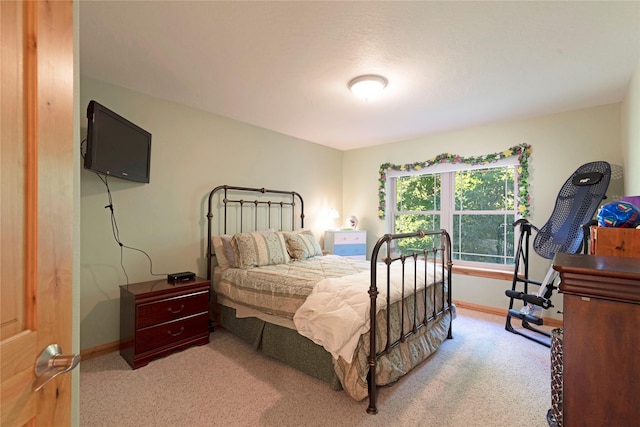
(476, 202)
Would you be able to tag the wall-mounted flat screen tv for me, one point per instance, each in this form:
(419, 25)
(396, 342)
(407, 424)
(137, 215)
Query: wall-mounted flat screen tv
(115, 146)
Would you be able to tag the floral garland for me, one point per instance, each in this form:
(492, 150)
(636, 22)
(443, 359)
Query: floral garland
(522, 151)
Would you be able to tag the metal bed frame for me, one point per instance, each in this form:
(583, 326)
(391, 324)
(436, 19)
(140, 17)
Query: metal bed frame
(256, 204)
(233, 196)
(386, 244)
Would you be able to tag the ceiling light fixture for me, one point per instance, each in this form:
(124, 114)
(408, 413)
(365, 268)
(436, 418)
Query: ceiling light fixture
(367, 87)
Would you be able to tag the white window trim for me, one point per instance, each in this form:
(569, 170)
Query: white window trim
(446, 194)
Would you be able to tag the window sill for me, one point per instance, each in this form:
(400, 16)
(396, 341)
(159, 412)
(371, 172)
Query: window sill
(483, 272)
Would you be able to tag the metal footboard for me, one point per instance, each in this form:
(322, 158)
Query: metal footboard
(385, 251)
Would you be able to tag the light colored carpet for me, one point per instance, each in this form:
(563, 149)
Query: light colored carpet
(484, 376)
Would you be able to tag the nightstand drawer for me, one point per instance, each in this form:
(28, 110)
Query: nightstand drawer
(171, 332)
(350, 250)
(350, 238)
(165, 310)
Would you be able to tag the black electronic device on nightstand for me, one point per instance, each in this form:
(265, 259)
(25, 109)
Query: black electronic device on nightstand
(184, 276)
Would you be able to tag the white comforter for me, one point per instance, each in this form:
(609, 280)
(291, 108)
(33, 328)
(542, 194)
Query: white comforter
(336, 312)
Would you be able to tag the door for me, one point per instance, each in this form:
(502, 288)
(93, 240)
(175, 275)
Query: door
(36, 207)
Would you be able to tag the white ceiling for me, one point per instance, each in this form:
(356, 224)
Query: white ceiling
(285, 66)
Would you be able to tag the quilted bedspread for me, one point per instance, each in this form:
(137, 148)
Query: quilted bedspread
(402, 358)
(282, 288)
(336, 312)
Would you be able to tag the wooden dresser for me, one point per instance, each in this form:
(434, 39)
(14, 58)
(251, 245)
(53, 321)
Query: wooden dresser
(158, 317)
(601, 369)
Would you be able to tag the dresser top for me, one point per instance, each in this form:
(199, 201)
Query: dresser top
(597, 264)
(596, 276)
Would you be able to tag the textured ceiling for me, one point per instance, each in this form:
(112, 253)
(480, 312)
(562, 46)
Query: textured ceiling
(285, 66)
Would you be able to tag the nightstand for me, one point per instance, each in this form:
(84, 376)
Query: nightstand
(158, 318)
(347, 243)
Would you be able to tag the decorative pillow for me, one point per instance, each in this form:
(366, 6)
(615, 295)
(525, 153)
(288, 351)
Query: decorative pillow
(260, 248)
(223, 247)
(302, 244)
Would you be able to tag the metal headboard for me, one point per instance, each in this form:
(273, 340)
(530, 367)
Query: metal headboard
(247, 197)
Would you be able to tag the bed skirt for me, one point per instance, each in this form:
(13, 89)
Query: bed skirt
(401, 359)
(299, 352)
(283, 344)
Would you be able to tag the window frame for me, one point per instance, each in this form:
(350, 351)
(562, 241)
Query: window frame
(516, 157)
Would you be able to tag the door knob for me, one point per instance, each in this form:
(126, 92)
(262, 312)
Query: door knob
(52, 363)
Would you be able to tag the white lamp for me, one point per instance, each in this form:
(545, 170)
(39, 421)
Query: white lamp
(332, 216)
(368, 86)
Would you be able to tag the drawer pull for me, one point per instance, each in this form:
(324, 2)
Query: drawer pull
(177, 333)
(177, 311)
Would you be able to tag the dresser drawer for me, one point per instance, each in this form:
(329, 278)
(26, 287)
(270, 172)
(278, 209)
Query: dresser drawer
(170, 332)
(350, 238)
(350, 250)
(165, 310)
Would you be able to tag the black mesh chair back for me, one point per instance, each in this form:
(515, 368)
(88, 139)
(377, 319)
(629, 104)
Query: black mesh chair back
(576, 204)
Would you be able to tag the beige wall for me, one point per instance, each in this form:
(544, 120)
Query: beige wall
(192, 152)
(631, 135)
(560, 143)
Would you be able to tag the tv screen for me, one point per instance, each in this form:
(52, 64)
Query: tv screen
(115, 146)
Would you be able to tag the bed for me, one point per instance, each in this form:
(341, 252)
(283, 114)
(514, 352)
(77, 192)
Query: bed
(322, 313)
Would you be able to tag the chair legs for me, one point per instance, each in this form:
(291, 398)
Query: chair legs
(529, 315)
